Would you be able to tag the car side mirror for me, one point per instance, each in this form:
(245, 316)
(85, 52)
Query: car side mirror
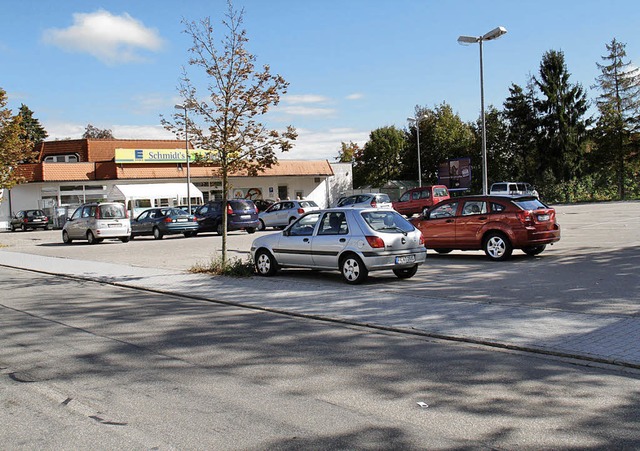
(69, 219)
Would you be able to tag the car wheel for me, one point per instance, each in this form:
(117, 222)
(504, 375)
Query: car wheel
(125, 239)
(91, 238)
(13, 227)
(251, 230)
(497, 246)
(132, 236)
(65, 237)
(157, 234)
(261, 225)
(353, 270)
(23, 227)
(265, 264)
(406, 273)
(534, 250)
(443, 251)
(219, 229)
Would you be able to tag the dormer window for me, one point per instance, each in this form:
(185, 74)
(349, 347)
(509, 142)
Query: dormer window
(71, 158)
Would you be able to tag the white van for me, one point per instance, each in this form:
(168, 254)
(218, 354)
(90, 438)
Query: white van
(96, 221)
(512, 189)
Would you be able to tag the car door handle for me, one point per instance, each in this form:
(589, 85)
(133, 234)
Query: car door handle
(484, 218)
(343, 240)
(449, 220)
(306, 240)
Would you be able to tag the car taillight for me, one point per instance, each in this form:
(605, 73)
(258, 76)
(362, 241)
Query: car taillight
(167, 219)
(300, 211)
(25, 220)
(229, 210)
(255, 207)
(373, 204)
(525, 217)
(421, 239)
(375, 242)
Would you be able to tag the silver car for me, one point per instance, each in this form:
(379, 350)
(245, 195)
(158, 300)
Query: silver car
(353, 241)
(366, 200)
(283, 213)
(96, 221)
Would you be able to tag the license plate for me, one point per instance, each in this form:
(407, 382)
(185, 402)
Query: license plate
(245, 216)
(405, 259)
(114, 225)
(37, 220)
(543, 217)
(182, 219)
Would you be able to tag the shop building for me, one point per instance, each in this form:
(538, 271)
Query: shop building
(146, 173)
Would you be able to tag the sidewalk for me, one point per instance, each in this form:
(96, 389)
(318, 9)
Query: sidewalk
(611, 339)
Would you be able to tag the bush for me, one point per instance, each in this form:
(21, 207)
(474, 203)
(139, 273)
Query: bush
(233, 267)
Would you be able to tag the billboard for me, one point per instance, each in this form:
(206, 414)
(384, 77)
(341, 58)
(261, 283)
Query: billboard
(159, 155)
(455, 173)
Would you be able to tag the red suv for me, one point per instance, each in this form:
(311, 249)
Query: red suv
(418, 200)
(495, 224)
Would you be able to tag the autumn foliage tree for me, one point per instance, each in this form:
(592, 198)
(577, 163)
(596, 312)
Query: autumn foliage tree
(12, 149)
(226, 104)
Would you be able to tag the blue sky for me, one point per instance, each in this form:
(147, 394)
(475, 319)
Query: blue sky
(352, 65)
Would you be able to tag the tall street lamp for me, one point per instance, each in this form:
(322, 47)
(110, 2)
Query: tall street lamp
(464, 40)
(416, 121)
(186, 148)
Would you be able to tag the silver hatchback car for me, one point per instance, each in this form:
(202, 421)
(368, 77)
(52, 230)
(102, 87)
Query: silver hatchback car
(96, 222)
(353, 241)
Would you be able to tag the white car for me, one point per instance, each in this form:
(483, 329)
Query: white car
(283, 213)
(350, 240)
(95, 222)
(366, 200)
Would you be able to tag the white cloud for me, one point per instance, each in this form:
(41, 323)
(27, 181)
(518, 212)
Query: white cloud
(304, 98)
(68, 130)
(355, 96)
(110, 38)
(323, 144)
(299, 110)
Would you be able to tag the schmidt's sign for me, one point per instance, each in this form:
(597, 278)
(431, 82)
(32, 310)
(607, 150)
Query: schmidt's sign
(157, 155)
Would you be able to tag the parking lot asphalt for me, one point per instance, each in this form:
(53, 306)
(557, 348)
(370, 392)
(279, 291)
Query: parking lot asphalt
(579, 299)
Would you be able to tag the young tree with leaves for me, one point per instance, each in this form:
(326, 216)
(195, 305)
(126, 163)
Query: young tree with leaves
(562, 110)
(12, 149)
(237, 95)
(348, 152)
(619, 106)
(381, 158)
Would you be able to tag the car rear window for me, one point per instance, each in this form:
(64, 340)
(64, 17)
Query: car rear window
(440, 192)
(115, 211)
(386, 221)
(35, 213)
(242, 204)
(308, 203)
(382, 198)
(530, 204)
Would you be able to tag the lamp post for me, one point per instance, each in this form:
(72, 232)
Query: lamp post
(416, 121)
(464, 40)
(186, 149)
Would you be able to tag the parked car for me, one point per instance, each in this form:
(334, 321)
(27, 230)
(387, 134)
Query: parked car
(495, 224)
(352, 241)
(419, 200)
(29, 219)
(191, 210)
(366, 200)
(263, 204)
(242, 214)
(512, 189)
(164, 221)
(283, 213)
(95, 222)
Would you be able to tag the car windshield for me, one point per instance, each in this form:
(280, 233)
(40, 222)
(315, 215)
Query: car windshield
(530, 204)
(386, 221)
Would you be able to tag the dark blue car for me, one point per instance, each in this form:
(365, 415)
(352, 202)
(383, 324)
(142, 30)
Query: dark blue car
(164, 221)
(242, 214)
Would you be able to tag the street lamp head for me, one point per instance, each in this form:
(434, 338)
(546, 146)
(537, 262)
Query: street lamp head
(179, 107)
(494, 34)
(465, 40)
